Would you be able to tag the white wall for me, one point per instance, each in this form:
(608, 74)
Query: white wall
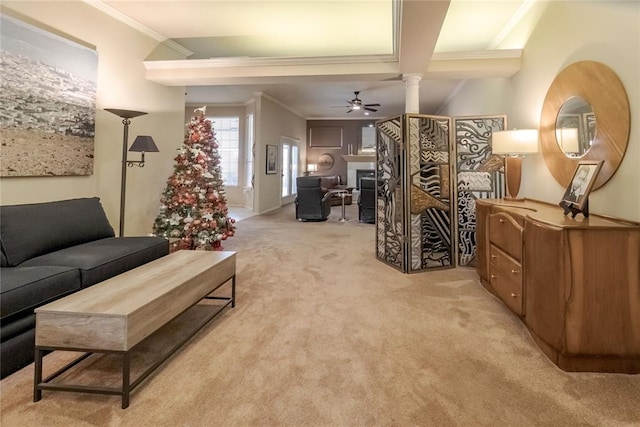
(273, 121)
(603, 31)
(121, 84)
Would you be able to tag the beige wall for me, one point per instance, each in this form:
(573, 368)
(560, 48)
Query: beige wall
(605, 31)
(121, 84)
(274, 121)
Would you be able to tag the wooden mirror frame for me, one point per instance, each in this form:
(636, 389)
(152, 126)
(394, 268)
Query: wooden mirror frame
(599, 86)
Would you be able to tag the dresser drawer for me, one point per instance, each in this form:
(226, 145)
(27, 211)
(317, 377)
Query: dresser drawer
(509, 266)
(509, 291)
(506, 233)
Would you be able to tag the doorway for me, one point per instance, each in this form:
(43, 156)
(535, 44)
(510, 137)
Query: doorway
(289, 169)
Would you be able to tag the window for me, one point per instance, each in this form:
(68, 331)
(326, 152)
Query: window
(248, 166)
(227, 133)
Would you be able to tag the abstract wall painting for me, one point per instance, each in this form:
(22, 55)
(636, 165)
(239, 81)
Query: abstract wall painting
(47, 102)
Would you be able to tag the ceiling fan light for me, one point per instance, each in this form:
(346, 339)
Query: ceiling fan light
(355, 107)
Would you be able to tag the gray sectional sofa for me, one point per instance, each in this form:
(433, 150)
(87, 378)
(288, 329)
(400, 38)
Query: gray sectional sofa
(53, 249)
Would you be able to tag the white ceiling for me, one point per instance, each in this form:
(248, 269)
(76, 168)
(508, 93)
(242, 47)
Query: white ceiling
(311, 55)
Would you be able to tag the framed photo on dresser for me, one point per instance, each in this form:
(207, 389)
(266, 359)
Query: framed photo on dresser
(577, 193)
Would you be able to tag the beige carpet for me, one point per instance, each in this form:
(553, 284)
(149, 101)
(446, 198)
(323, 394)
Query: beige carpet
(326, 335)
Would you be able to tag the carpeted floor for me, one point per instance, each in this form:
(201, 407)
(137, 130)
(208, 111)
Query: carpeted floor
(325, 335)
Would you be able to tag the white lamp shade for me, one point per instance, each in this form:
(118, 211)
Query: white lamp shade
(568, 139)
(520, 141)
(312, 167)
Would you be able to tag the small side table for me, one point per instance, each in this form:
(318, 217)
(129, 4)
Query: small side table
(342, 194)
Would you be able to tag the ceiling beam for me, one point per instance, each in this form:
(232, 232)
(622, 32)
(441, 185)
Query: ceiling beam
(420, 24)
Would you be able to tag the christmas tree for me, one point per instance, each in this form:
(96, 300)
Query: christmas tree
(194, 206)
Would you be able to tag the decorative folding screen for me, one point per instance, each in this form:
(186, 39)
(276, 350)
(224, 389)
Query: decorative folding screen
(414, 212)
(480, 175)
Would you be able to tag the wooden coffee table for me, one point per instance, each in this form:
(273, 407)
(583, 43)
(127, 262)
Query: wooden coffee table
(116, 315)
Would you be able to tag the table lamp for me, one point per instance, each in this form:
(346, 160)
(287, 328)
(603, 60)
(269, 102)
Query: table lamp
(311, 167)
(512, 144)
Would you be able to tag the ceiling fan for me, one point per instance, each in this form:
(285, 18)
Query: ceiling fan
(356, 104)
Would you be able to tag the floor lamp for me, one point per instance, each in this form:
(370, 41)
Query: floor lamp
(143, 143)
(513, 143)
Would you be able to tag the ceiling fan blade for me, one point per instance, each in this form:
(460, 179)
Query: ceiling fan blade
(370, 109)
(372, 105)
(350, 111)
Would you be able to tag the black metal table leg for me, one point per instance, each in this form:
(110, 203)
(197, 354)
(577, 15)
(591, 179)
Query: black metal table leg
(37, 393)
(126, 377)
(233, 291)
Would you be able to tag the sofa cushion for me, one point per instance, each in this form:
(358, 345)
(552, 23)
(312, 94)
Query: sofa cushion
(330, 182)
(17, 352)
(102, 259)
(16, 326)
(31, 230)
(24, 288)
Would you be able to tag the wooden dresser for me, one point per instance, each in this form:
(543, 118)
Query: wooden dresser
(574, 282)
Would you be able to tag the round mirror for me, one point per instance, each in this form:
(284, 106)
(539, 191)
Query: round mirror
(575, 127)
(597, 85)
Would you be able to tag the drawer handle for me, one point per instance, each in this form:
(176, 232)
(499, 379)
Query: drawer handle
(515, 271)
(493, 256)
(514, 295)
(501, 220)
(493, 276)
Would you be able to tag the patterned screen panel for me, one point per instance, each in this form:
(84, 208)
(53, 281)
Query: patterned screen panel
(429, 164)
(414, 216)
(480, 174)
(390, 198)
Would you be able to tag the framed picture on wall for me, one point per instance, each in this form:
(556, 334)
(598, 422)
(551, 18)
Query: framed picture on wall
(580, 186)
(272, 159)
(325, 137)
(368, 139)
(47, 101)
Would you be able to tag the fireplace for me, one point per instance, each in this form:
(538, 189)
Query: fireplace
(364, 173)
(359, 163)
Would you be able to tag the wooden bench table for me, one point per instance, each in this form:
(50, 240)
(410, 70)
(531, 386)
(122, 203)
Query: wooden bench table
(117, 314)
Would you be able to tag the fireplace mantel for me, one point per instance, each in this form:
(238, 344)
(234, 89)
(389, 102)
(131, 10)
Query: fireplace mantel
(359, 158)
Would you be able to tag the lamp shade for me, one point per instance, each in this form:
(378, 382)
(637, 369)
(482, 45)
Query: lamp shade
(312, 167)
(519, 141)
(125, 114)
(144, 143)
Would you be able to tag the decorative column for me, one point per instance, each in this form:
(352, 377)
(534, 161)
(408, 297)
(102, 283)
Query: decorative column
(412, 93)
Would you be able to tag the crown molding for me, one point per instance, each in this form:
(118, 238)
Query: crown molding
(244, 61)
(108, 10)
(477, 54)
